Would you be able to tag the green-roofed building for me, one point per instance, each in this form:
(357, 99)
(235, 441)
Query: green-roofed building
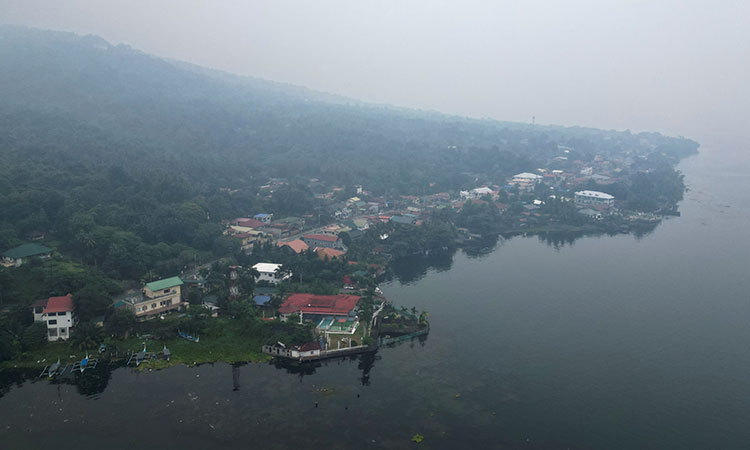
(158, 298)
(17, 256)
(166, 283)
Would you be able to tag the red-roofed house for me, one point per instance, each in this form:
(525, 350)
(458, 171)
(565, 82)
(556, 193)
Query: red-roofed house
(330, 253)
(323, 240)
(317, 306)
(247, 223)
(58, 314)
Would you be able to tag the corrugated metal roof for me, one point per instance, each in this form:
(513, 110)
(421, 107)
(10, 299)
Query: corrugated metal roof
(164, 284)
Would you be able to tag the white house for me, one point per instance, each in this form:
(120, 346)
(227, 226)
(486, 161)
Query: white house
(58, 315)
(270, 272)
(476, 192)
(594, 198)
(526, 180)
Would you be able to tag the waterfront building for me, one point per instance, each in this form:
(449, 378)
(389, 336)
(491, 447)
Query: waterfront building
(594, 198)
(58, 315)
(157, 297)
(315, 307)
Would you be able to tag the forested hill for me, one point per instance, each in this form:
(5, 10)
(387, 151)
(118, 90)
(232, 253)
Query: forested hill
(99, 137)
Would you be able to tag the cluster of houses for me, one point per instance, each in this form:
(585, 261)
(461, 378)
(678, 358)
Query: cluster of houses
(262, 227)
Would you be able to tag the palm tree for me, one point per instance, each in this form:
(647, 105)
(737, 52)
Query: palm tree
(86, 336)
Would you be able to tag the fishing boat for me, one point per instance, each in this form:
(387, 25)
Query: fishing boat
(84, 363)
(52, 370)
(188, 337)
(140, 356)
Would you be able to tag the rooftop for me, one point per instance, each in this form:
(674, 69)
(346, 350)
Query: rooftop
(595, 194)
(59, 304)
(26, 250)
(297, 245)
(247, 223)
(334, 305)
(321, 237)
(331, 253)
(261, 300)
(164, 284)
(42, 303)
(267, 267)
(528, 175)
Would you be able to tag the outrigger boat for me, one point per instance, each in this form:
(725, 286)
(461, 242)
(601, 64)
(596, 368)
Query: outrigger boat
(86, 363)
(188, 337)
(140, 356)
(54, 369)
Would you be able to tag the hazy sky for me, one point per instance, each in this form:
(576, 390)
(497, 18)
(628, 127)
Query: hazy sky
(680, 67)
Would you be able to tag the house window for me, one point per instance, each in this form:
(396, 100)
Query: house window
(53, 331)
(166, 291)
(169, 302)
(52, 322)
(63, 331)
(51, 314)
(153, 305)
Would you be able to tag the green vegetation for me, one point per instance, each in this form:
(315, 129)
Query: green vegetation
(237, 338)
(129, 165)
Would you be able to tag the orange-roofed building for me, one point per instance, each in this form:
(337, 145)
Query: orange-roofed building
(330, 253)
(297, 245)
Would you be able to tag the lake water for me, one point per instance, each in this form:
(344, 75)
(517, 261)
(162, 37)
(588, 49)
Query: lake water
(608, 342)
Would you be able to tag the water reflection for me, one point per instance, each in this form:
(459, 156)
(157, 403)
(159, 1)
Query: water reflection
(92, 382)
(10, 377)
(413, 268)
(236, 377)
(478, 248)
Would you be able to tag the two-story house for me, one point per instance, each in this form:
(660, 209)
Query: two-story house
(270, 272)
(57, 313)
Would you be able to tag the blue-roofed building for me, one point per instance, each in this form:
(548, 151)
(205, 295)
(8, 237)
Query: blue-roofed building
(263, 217)
(262, 300)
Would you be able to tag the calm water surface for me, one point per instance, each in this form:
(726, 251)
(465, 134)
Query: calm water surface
(608, 342)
